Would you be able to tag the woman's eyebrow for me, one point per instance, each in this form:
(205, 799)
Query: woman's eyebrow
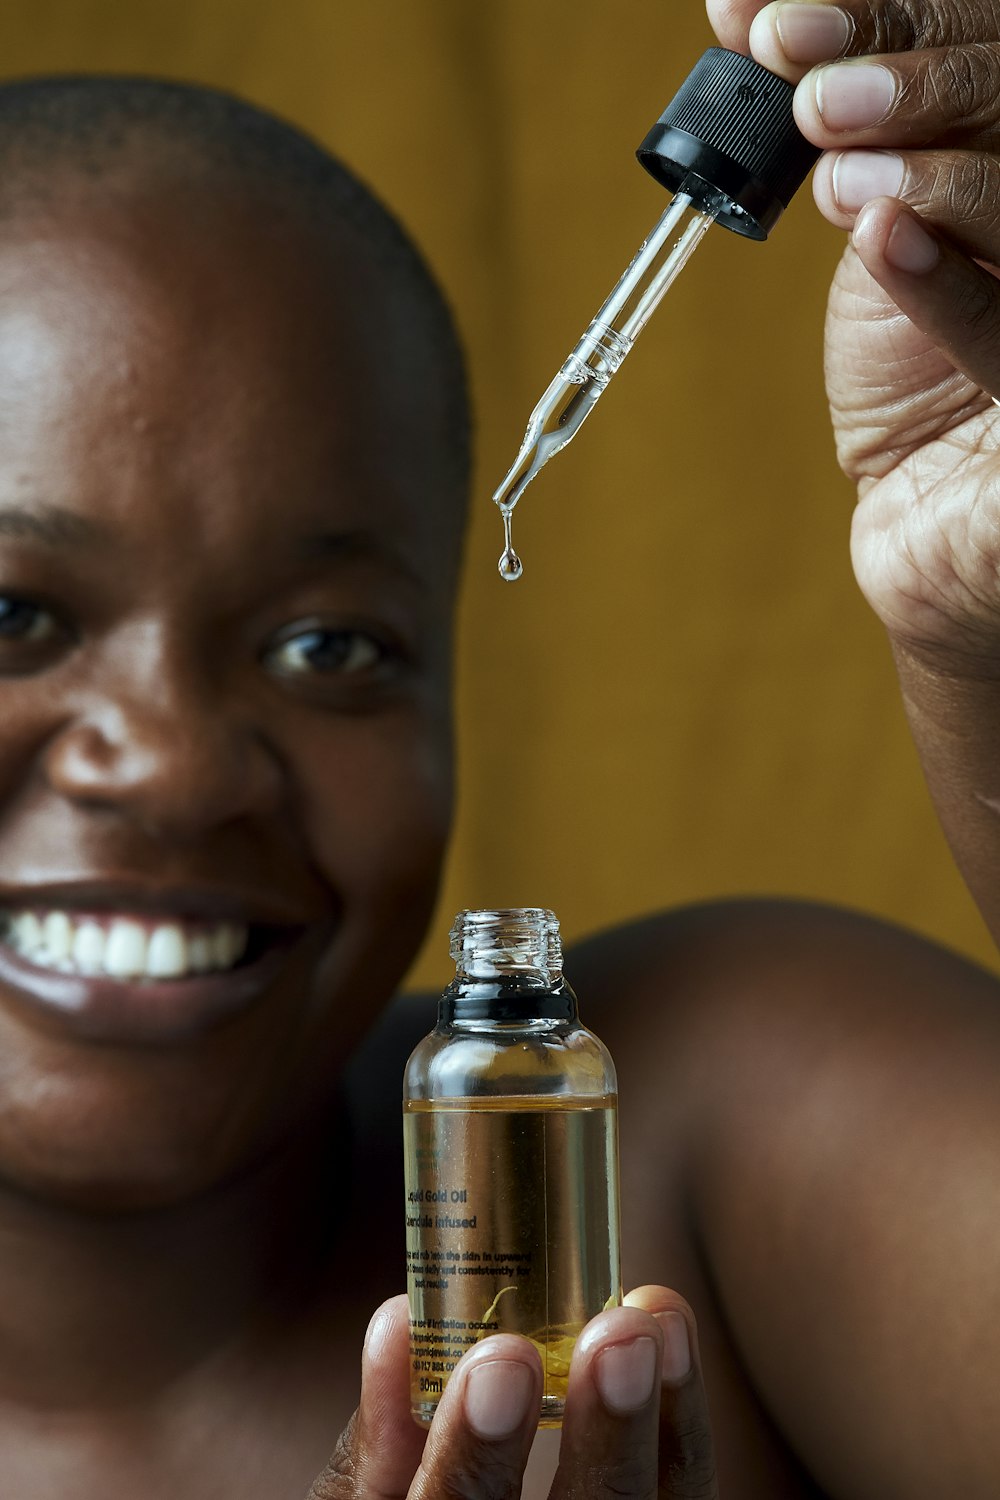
(352, 545)
(52, 525)
(57, 527)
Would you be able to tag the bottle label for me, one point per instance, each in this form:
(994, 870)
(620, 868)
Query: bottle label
(511, 1227)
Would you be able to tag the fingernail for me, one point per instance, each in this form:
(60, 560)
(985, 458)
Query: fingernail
(860, 176)
(812, 33)
(910, 248)
(676, 1347)
(851, 96)
(497, 1395)
(378, 1332)
(626, 1374)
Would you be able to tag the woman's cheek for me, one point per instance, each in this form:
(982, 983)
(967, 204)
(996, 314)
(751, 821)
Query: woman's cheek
(378, 804)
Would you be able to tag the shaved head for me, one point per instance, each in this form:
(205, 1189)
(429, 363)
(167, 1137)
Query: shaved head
(78, 139)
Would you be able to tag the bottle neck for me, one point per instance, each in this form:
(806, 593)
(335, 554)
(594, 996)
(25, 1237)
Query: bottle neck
(508, 968)
(509, 1001)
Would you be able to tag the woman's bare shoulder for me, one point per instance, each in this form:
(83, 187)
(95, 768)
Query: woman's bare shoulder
(792, 951)
(811, 1136)
(778, 981)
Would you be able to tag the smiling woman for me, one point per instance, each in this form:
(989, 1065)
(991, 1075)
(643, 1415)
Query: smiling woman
(230, 510)
(215, 608)
(232, 464)
(225, 643)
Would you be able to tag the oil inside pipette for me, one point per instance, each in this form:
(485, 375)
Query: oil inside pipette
(559, 415)
(585, 374)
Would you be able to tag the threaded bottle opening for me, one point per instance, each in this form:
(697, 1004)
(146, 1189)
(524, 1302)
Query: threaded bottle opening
(507, 942)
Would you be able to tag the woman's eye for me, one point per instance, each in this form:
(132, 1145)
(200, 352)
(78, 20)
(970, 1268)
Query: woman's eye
(21, 620)
(345, 652)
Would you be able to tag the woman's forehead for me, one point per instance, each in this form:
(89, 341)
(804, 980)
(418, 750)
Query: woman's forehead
(148, 281)
(195, 360)
(150, 362)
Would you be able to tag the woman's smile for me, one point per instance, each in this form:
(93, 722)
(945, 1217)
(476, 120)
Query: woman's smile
(124, 946)
(140, 966)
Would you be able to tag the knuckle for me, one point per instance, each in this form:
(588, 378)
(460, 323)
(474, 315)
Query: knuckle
(627, 1480)
(625, 1477)
(960, 190)
(911, 25)
(481, 1476)
(976, 306)
(339, 1480)
(687, 1486)
(896, 27)
(962, 85)
(949, 90)
(690, 1467)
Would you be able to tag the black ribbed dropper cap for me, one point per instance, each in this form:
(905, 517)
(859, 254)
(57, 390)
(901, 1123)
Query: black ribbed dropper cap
(731, 124)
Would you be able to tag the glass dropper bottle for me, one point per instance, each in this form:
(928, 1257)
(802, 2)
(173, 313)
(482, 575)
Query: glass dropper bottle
(729, 151)
(510, 1128)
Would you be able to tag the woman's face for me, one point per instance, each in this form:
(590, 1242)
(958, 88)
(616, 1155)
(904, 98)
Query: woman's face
(224, 717)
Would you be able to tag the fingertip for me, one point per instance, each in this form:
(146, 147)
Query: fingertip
(678, 1325)
(386, 1440)
(497, 1387)
(888, 234)
(795, 35)
(508, 1346)
(385, 1326)
(911, 247)
(825, 193)
(730, 20)
(677, 1357)
(652, 1298)
(501, 1386)
(805, 111)
(766, 45)
(617, 1323)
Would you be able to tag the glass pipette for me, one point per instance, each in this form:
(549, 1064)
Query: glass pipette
(729, 150)
(584, 376)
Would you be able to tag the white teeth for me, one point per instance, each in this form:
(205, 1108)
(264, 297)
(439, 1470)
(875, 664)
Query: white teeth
(167, 955)
(87, 952)
(57, 935)
(228, 943)
(125, 950)
(200, 956)
(124, 947)
(218, 947)
(29, 932)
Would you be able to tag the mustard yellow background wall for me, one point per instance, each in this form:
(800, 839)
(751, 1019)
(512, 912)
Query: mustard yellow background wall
(685, 696)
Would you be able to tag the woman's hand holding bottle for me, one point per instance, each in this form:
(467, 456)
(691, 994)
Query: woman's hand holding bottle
(636, 1421)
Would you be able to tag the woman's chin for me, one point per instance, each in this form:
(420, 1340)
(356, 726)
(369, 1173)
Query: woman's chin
(149, 1119)
(102, 1139)
(94, 1171)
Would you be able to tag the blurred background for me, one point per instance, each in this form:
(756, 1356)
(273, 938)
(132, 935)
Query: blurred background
(685, 696)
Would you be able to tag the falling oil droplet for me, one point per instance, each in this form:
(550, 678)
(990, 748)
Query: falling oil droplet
(510, 565)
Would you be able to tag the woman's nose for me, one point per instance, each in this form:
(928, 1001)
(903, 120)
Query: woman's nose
(178, 766)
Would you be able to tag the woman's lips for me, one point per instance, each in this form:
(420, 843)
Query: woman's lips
(134, 977)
